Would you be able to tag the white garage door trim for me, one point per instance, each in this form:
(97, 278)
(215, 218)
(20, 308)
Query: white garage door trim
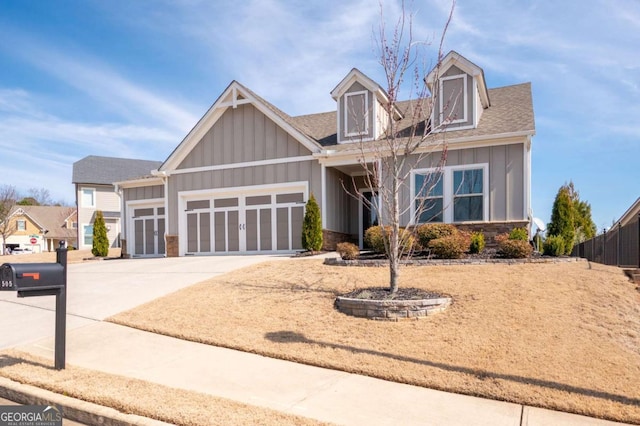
(152, 227)
(232, 210)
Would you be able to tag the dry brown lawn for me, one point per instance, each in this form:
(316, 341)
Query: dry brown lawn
(73, 256)
(132, 396)
(561, 336)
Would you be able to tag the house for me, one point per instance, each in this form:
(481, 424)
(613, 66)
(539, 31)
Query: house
(239, 180)
(631, 215)
(41, 228)
(93, 177)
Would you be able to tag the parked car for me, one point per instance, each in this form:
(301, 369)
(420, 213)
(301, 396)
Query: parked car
(19, 250)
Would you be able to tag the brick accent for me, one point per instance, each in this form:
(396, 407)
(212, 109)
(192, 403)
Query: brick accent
(491, 229)
(171, 242)
(331, 238)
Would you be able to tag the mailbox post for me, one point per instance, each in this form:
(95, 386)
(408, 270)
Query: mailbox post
(42, 279)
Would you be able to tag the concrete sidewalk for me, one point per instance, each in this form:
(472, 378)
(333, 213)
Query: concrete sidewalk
(323, 394)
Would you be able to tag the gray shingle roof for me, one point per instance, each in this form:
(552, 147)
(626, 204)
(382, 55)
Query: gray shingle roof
(511, 111)
(107, 170)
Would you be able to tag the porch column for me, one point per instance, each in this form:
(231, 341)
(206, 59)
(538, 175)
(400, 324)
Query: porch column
(323, 186)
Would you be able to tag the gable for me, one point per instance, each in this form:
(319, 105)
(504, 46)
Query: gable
(242, 134)
(233, 98)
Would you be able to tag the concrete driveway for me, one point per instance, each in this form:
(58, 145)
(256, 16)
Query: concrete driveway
(99, 289)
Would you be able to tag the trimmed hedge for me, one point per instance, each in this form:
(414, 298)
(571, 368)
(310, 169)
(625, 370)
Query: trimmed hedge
(519, 234)
(477, 242)
(348, 251)
(375, 240)
(432, 231)
(553, 246)
(449, 247)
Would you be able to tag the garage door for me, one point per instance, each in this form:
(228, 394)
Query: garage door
(244, 223)
(148, 231)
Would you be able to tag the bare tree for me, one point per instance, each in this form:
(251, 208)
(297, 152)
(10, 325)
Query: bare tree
(410, 138)
(41, 196)
(8, 197)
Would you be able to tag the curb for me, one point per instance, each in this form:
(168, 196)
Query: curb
(72, 408)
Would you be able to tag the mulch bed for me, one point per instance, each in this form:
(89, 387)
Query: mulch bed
(380, 293)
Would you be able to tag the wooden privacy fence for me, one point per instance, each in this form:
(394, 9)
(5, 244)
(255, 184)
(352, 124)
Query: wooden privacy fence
(620, 246)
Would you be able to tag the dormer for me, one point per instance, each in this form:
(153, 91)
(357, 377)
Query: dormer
(460, 93)
(362, 115)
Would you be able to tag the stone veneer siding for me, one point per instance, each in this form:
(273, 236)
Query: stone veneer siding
(123, 251)
(491, 229)
(171, 243)
(331, 238)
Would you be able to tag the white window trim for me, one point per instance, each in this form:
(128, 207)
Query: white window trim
(447, 190)
(365, 111)
(93, 197)
(24, 221)
(463, 99)
(84, 225)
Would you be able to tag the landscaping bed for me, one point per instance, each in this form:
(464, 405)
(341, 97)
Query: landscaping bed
(563, 336)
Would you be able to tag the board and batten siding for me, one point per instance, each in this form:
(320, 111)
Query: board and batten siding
(355, 113)
(241, 135)
(454, 98)
(143, 193)
(506, 173)
(340, 214)
(241, 177)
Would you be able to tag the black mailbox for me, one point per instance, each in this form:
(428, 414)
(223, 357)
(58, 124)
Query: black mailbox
(31, 277)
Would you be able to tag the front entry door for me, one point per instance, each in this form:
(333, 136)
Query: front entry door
(369, 215)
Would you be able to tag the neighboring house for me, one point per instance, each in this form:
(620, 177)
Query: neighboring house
(93, 177)
(631, 215)
(239, 180)
(41, 228)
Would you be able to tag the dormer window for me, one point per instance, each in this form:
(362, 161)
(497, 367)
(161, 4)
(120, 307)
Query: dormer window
(356, 116)
(461, 92)
(453, 99)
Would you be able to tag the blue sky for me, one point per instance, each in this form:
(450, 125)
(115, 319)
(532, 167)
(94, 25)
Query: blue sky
(130, 78)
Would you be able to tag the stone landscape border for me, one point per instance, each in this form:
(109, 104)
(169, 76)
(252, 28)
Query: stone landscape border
(392, 309)
(435, 262)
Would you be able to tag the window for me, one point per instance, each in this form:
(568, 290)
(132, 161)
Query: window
(429, 203)
(21, 225)
(453, 99)
(468, 195)
(454, 194)
(88, 235)
(356, 116)
(88, 197)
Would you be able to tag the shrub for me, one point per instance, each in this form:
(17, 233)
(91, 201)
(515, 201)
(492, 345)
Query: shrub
(348, 251)
(374, 239)
(449, 247)
(312, 226)
(477, 242)
(432, 231)
(562, 218)
(553, 246)
(519, 234)
(515, 249)
(100, 246)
